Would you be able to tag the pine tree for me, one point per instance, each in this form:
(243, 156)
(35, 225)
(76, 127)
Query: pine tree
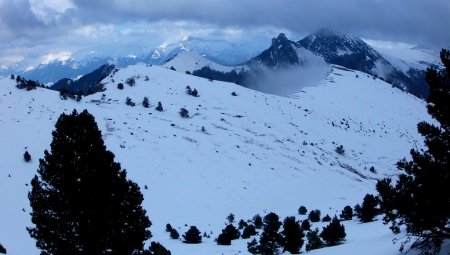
(420, 198)
(293, 235)
(257, 220)
(174, 234)
(2, 249)
(81, 200)
(230, 218)
(302, 210)
(347, 213)
(242, 224)
(232, 232)
(368, 209)
(145, 102)
(168, 227)
(248, 231)
(314, 241)
(314, 215)
(26, 156)
(158, 249)
(333, 233)
(159, 108)
(224, 239)
(270, 242)
(192, 236)
(306, 225)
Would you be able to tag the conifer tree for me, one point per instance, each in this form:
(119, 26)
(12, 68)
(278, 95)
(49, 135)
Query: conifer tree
(314, 241)
(2, 249)
(293, 235)
(192, 236)
(368, 209)
(270, 242)
(347, 213)
(82, 202)
(420, 198)
(333, 233)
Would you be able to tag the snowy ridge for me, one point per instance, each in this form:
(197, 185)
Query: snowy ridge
(191, 61)
(259, 153)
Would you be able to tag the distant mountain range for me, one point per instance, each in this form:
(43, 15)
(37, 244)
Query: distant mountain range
(227, 61)
(333, 48)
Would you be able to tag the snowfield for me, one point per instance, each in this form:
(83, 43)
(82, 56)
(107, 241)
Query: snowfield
(260, 153)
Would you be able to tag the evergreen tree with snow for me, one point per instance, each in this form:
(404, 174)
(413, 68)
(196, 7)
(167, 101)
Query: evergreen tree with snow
(249, 231)
(270, 242)
(159, 108)
(26, 156)
(314, 241)
(292, 235)
(157, 249)
(145, 102)
(368, 209)
(333, 233)
(314, 215)
(192, 236)
(347, 213)
(306, 225)
(302, 210)
(82, 202)
(257, 220)
(2, 249)
(420, 198)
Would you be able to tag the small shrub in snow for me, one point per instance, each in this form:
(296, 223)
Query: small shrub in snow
(145, 103)
(333, 233)
(129, 102)
(234, 94)
(340, 150)
(314, 215)
(168, 227)
(159, 107)
(372, 169)
(130, 81)
(120, 86)
(26, 156)
(172, 68)
(327, 218)
(191, 92)
(184, 113)
(302, 210)
(174, 234)
(230, 218)
(192, 236)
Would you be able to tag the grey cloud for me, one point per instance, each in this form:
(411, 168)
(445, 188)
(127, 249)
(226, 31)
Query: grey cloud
(415, 21)
(412, 21)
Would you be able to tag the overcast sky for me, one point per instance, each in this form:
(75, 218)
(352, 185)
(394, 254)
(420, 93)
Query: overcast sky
(29, 28)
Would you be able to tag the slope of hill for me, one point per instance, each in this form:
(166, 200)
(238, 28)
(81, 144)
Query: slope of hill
(189, 61)
(219, 51)
(258, 153)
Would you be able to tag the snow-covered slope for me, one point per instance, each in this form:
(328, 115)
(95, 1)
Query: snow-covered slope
(259, 153)
(191, 61)
(220, 51)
